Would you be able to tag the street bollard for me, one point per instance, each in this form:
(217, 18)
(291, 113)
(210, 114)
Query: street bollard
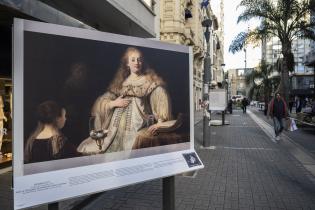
(206, 130)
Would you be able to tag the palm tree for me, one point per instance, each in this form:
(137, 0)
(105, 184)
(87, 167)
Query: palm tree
(284, 19)
(261, 80)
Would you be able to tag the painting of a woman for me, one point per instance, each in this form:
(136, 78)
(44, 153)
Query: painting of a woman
(47, 142)
(136, 101)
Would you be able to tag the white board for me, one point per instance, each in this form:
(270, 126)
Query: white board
(217, 99)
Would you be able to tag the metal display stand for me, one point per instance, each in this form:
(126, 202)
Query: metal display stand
(169, 193)
(53, 206)
(223, 117)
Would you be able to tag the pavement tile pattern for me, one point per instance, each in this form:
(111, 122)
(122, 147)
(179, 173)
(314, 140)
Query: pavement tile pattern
(243, 170)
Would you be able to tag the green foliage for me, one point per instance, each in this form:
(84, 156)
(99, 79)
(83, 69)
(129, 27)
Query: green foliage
(239, 42)
(263, 75)
(285, 19)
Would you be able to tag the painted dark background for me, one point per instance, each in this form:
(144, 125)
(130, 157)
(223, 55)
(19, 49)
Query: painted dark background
(47, 63)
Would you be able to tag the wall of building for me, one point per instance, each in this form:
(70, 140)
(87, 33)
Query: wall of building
(176, 29)
(237, 81)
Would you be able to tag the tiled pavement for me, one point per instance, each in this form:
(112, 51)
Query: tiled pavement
(303, 136)
(244, 169)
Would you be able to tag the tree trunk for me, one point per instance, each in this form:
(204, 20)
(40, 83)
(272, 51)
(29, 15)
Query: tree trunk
(267, 90)
(266, 99)
(287, 64)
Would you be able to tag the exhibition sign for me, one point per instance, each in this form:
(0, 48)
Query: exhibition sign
(95, 111)
(217, 99)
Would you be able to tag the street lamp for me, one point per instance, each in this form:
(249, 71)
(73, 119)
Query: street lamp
(206, 81)
(245, 61)
(225, 80)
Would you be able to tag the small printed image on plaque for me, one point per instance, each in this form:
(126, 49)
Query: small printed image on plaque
(192, 159)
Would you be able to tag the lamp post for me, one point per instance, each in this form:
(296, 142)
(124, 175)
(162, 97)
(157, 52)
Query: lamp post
(206, 81)
(225, 86)
(225, 80)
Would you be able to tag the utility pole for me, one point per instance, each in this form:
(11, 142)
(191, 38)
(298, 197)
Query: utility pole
(206, 82)
(245, 60)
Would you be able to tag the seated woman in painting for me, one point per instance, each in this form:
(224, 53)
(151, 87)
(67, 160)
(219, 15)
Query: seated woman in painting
(47, 142)
(136, 101)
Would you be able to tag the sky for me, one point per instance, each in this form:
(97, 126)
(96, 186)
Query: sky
(231, 29)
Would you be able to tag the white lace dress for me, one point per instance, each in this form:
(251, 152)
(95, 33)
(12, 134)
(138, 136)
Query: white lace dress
(147, 96)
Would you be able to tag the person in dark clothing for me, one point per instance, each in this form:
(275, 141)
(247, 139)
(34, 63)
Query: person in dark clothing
(230, 106)
(298, 104)
(277, 110)
(291, 102)
(244, 104)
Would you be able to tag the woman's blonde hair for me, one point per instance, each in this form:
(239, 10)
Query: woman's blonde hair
(123, 71)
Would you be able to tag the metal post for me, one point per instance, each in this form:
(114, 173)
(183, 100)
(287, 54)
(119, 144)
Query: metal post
(169, 193)
(53, 206)
(206, 82)
(223, 117)
(245, 60)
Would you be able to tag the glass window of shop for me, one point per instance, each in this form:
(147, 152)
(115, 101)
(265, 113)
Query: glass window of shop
(5, 96)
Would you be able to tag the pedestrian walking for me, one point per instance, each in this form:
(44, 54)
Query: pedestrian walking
(230, 106)
(244, 104)
(277, 110)
(298, 104)
(291, 102)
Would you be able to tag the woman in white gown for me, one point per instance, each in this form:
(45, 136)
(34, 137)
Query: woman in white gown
(136, 101)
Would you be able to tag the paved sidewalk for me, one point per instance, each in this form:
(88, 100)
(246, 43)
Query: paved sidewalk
(304, 136)
(244, 169)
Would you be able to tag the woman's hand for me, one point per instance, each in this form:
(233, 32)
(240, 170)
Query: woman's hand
(120, 102)
(153, 129)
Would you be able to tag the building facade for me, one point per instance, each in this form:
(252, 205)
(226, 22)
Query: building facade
(310, 57)
(237, 81)
(180, 23)
(217, 46)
